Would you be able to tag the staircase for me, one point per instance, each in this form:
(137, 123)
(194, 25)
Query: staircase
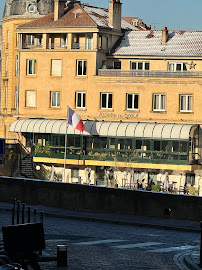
(26, 162)
(27, 166)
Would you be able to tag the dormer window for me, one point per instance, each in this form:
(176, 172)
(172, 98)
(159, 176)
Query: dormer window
(31, 8)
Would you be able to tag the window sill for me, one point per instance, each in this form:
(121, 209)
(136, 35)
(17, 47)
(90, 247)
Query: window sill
(55, 77)
(80, 109)
(163, 112)
(81, 77)
(30, 108)
(55, 108)
(108, 110)
(31, 76)
(185, 112)
(132, 111)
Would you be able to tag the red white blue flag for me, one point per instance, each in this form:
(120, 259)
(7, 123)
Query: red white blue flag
(75, 120)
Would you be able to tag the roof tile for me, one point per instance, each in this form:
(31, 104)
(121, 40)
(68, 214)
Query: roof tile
(148, 43)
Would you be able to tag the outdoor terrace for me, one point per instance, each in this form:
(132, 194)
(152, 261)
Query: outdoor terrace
(148, 73)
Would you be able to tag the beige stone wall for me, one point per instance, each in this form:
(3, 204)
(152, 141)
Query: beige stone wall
(9, 78)
(68, 83)
(146, 87)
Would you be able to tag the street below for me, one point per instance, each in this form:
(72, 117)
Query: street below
(94, 245)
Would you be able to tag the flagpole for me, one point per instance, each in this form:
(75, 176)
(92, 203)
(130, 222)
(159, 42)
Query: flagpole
(65, 154)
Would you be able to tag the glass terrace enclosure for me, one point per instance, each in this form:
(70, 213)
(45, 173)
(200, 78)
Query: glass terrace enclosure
(112, 141)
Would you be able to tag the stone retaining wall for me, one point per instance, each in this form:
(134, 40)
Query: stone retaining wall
(102, 199)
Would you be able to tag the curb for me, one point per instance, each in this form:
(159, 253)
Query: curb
(190, 263)
(114, 221)
(121, 222)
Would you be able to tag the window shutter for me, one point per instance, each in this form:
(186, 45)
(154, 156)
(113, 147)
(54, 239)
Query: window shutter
(56, 67)
(30, 98)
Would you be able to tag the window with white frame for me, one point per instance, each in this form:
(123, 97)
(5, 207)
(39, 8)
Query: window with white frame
(31, 66)
(80, 100)
(158, 102)
(89, 41)
(7, 40)
(39, 40)
(81, 67)
(6, 96)
(132, 101)
(30, 98)
(6, 65)
(106, 101)
(63, 40)
(16, 97)
(175, 66)
(185, 103)
(55, 99)
(56, 67)
(16, 40)
(136, 65)
(30, 40)
(16, 65)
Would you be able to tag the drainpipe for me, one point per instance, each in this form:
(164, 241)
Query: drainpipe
(18, 89)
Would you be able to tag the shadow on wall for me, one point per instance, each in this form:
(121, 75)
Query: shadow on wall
(101, 199)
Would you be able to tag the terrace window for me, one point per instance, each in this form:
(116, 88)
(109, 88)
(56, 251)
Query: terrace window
(38, 40)
(172, 66)
(63, 41)
(117, 65)
(89, 41)
(139, 65)
(30, 40)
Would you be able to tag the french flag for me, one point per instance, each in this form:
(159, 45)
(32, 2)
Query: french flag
(75, 120)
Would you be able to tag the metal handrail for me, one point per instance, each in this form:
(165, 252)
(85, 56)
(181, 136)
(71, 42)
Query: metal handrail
(148, 73)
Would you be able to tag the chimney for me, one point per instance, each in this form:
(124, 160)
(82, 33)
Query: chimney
(59, 7)
(115, 14)
(164, 35)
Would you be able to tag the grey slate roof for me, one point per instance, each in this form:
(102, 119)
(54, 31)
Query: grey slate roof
(101, 17)
(148, 43)
(18, 7)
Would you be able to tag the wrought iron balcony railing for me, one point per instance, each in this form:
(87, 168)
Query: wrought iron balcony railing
(82, 46)
(148, 73)
(31, 46)
(49, 46)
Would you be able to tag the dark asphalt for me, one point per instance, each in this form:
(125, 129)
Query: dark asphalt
(92, 244)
